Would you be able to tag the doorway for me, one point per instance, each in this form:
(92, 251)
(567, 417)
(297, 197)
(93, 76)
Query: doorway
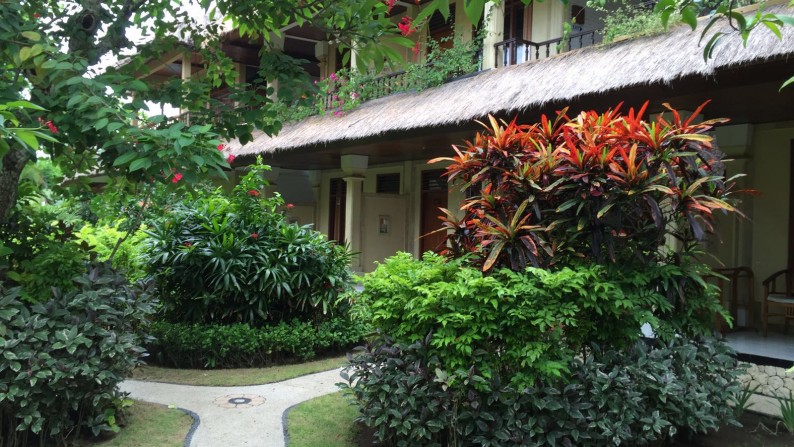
(336, 210)
(434, 196)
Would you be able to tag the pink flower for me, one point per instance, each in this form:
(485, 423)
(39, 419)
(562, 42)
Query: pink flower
(230, 158)
(254, 235)
(354, 95)
(52, 127)
(390, 4)
(334, 77)
(406, 26)
(253, 193)
(221, 147)
(177, 178)
(290, 206)
(337, 112)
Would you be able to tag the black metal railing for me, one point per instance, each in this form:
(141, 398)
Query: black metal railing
(516, 51)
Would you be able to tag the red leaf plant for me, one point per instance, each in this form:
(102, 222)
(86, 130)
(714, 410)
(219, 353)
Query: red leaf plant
(603, 187)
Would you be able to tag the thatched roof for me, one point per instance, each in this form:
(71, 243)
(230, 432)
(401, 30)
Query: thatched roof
(659, 59)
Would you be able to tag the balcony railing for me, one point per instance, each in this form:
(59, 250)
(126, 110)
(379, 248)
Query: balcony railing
(381, 86)
(516, 51)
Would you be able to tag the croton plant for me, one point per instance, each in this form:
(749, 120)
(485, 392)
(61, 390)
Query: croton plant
(603, 187)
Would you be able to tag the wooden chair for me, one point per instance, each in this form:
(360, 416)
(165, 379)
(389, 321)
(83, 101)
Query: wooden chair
(780, 298)
(730, 294)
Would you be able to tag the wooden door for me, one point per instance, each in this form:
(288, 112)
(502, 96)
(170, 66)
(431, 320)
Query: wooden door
(336, 210)
(434, 196)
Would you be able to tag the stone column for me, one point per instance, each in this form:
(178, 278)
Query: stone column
(494, 25)
(276, 44)
(187, 72)
(354, 166)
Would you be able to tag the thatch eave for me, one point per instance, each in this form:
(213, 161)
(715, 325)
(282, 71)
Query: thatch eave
(653, 60)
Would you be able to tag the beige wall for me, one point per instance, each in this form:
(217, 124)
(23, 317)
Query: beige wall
(377, 245)
(770, 175)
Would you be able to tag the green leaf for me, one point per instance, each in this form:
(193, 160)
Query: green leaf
(112, 127)
(32, 35)
(125, 158)
(690, 17)
(787, 83)
(101, 123)
(27, 137)
(141, 163)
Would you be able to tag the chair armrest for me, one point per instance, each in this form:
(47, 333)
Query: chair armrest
(771, 279)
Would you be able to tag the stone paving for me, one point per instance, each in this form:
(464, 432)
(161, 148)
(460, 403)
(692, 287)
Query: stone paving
(239, 415)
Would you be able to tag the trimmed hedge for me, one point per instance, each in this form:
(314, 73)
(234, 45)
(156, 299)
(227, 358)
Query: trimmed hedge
(240, 345)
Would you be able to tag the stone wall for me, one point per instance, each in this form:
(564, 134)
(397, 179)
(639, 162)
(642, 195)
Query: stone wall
(771, 380)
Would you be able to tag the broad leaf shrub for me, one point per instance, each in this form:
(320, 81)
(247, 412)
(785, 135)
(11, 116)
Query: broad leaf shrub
(638, 396)
(236, 259)
(63, 358)
(529, 333)
(243, 346)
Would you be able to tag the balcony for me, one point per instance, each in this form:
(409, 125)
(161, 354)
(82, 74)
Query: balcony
(516, 51)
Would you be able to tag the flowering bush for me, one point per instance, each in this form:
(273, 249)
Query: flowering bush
(230, 259)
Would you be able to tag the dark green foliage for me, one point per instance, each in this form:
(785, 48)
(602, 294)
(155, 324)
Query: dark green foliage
(240, 345)
(642, 396)
(63, 359)
(231, 259)
(42, 248)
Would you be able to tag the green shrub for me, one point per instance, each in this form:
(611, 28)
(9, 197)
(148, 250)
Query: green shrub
(642, 396)
(527, 325)
(128, 257)
(43, 252)
(236, 259)
(240, 345)
(63, 359)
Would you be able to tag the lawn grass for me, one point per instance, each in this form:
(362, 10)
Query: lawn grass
(326, 421)
(148, 425)
(234, 377)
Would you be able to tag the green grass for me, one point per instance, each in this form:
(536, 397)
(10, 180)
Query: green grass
(234, 377)
(325, 421)
(148, 425)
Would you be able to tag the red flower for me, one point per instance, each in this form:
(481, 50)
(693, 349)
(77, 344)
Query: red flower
(52, 127)
(177, 178)
(36, 15)
(187, 244)
(230, 158)
(416, 50)
(221, 147)
(253, 193)
(290, 206)
(254, 235)
(405, 26)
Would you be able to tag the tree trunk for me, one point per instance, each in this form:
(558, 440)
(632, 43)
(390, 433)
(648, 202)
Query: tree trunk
(13, 163)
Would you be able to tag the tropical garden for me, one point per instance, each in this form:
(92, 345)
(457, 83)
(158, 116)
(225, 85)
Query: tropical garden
(126, 237)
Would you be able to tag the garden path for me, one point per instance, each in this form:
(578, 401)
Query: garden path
(239, 415)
